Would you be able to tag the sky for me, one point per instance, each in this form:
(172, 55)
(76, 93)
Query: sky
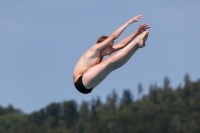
(41, 41)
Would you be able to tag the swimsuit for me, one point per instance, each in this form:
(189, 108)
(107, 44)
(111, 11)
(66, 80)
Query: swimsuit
(80, 86)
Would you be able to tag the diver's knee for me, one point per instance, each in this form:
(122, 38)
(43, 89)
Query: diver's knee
(109, 62)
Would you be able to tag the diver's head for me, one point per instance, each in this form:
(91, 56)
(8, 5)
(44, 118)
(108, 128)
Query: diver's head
(108, 49)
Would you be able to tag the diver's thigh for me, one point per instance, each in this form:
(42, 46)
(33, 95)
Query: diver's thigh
(93, 76)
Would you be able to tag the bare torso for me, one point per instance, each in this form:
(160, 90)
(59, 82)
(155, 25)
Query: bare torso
(87, 60)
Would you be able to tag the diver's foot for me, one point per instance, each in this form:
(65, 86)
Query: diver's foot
(142, 38)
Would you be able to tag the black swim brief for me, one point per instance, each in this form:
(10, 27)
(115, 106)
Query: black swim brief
(80, 87)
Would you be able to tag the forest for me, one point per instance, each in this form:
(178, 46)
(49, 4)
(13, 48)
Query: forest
(163, 110)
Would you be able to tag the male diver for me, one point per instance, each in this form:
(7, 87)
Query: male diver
(91, 69)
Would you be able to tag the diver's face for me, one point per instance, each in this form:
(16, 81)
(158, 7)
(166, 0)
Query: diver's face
(108, 49)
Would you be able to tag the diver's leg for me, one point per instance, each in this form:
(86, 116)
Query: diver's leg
(113, 67)
(98, 73)
(120, 58)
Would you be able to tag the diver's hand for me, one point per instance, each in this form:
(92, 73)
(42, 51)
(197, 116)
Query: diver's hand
(135, 19)
(143, 27)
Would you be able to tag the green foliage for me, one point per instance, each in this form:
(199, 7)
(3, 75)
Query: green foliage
(12, 122)
(163, 110)
(140, 89)
(127, 98)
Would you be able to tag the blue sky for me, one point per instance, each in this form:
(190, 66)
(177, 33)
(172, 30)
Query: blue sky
(41, 41)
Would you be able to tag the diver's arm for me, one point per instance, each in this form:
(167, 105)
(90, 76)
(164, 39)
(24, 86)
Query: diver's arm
(124, 42)
(128, 39)
(116, 34)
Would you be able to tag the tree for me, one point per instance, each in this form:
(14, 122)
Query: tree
(83, 110)
(127, 98)
(187, 87)
(111, 102)
(98, 105)
(70, 113)
(140, 89)
(166, 83)
(94, 115)
(153, 95)
(37, 117)
(54, 110)
(187, 79)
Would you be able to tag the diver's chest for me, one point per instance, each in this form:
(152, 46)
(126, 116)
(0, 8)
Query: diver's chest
(93, 61)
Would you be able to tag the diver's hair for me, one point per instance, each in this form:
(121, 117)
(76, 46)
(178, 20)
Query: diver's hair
(102, 38)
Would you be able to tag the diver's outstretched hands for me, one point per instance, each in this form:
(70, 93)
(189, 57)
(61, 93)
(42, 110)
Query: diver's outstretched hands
(143, 27)
(135, 19)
